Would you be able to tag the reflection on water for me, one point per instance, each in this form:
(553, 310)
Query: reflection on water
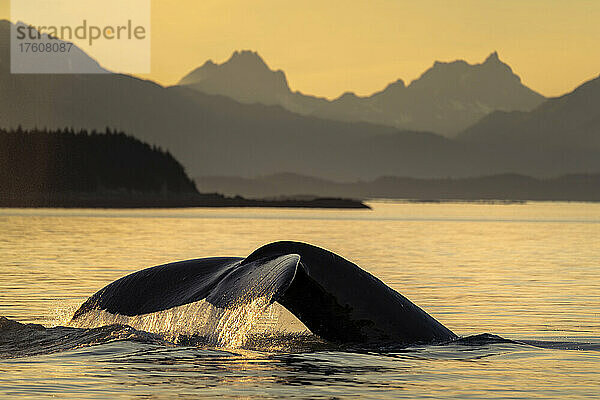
(136, 369)
(528, 272)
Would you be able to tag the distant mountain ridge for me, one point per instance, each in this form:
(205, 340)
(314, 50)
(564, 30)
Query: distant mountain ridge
(78, 60)
(216, 135)
(568, 121)
(446, 99)
(208, 134)
(64, 168)
(258, 83)
(504, 187)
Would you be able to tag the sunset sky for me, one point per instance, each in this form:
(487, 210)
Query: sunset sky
(328, 47)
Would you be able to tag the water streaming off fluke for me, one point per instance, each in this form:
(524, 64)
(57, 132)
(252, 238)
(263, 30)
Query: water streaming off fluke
(210, 325)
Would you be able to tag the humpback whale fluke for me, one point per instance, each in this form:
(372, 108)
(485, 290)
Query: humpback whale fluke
(334, 298)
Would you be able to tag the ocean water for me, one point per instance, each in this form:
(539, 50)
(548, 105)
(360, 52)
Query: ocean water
(520, 283)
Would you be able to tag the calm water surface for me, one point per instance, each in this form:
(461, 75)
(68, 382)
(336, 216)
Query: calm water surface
(526, 272)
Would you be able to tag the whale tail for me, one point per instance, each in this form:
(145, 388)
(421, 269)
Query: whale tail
(333, 297)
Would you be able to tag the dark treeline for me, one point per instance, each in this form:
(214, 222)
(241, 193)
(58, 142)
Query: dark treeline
(64, 168)
(42, 161)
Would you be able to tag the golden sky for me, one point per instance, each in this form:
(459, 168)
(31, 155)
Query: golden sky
(327, 47)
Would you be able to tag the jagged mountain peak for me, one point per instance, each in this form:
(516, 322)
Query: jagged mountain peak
(449, 64)
(398, 84)
(457, 93)
(460, 72)
(246, 63)
(492, 58)
(244, 77)
(460, 66)
(396, 88)
(493, 62)
(240, 58)
(247, 58)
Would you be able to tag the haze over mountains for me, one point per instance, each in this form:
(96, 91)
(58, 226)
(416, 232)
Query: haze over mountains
(446, 99)
(495, 187)
(213, 135)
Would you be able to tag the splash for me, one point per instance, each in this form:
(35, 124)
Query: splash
(210, 325)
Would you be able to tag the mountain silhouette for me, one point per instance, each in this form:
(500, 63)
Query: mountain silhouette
(446, 99)
(565, 122)
(208, 134)
(244, 77)
(513, 187)
(64, 168)
(77, 59)
(216, 135)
